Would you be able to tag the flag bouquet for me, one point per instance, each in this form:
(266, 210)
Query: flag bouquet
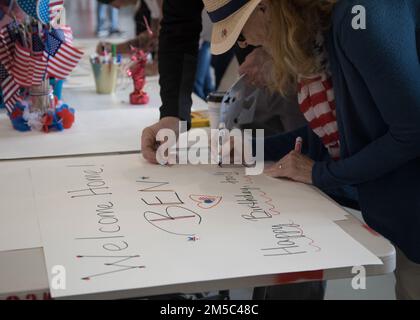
(31, 54)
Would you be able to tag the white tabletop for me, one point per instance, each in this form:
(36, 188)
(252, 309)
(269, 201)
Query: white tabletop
(104, 123)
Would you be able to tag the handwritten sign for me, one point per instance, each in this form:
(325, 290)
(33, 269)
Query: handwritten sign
(116, 223)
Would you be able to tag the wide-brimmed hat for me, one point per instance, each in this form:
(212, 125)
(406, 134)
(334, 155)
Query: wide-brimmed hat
(229, 17)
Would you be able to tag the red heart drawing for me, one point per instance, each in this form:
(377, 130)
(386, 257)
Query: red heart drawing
(206, 202)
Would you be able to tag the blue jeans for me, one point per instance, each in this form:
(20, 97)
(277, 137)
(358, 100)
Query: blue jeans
(102, 17)
(203, 80)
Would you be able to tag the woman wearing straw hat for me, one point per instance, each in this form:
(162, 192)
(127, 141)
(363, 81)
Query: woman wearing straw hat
(357, 70)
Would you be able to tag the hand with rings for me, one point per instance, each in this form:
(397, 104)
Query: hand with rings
(294, 166)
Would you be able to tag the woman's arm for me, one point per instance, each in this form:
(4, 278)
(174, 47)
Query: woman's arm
(278, 146)
(387, 58)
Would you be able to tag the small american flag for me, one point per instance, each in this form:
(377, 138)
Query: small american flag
(65, 60)
(13, 30)
(6, 48)
(53, 42)
(22, 69)
(68, 34)
(9, 87)
(59, 34)
(55, 8)
(38, 60)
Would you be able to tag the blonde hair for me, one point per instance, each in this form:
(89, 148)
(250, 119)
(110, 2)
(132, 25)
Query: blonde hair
(295, 25)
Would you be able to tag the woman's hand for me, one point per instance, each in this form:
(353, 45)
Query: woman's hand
(149, 144)
(294, 166)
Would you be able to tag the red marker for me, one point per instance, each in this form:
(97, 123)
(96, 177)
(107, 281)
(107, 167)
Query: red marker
(298, 144)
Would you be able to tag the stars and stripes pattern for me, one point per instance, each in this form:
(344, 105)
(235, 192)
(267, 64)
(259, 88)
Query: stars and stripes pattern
(43, 10)
(64, 61)
(317, 103)
(9, 88)
(66, 30)
(68, 34)
(22, 69)
(30, 7)
(53, 43)
(26, 60)
(38, 61)
(6, 48)
(55, 7)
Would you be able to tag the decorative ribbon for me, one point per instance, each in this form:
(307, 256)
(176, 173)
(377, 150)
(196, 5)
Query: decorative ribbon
(227, 10)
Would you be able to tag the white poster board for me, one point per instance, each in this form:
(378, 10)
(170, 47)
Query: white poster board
(116, 223)
(19, 221)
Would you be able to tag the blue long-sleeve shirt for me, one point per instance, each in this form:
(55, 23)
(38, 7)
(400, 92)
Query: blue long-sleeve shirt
(376, 78)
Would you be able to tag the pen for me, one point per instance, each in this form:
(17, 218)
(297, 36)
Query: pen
(104, 55)
(222, 128)
(298, 144)
(114, 54)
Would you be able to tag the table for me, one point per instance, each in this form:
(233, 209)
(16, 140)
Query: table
(23, 274)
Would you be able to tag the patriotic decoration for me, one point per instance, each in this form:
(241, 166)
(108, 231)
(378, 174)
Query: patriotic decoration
(54, 120)
(62, 57)
(7, 46)
(29, 7)
(42, 10)
(21, 69)
(55, 7)
(10, 89)
(38, 63)
(30, 54)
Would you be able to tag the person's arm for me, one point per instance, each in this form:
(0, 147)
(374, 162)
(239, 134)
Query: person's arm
(155, 7)
(178, 50)
(387, 58)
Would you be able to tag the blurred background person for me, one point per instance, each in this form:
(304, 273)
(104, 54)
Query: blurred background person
(204, 83)
(148, 14)
(102, 29)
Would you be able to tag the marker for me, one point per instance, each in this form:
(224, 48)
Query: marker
(298, 144)
(114, 54)
(222, 128)
(104, 56)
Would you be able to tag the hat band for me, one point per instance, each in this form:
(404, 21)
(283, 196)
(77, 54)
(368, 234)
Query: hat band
(227, 10)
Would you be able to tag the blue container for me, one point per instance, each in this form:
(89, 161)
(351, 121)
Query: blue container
(57, 87)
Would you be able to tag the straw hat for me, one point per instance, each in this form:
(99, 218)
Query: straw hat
(229, 17)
